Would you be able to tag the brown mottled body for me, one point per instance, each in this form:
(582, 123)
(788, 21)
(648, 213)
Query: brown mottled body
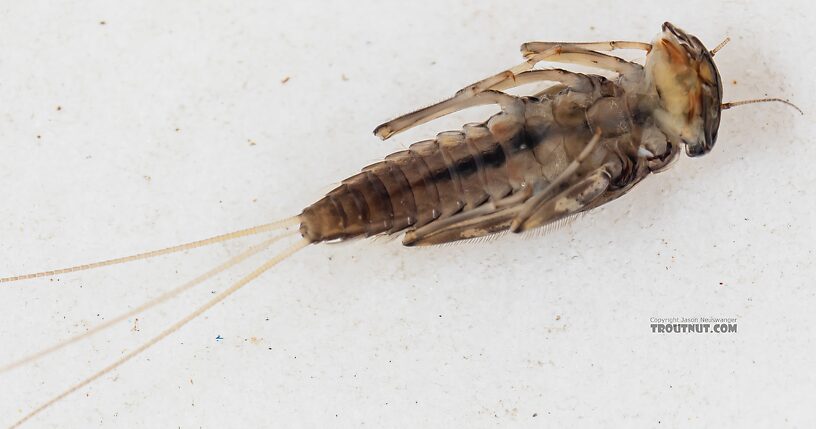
(582, 142)
(511, 154)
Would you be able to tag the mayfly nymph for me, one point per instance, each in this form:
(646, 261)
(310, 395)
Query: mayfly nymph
(583, 141)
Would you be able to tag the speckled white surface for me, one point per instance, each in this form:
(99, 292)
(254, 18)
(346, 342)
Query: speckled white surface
(170, 122)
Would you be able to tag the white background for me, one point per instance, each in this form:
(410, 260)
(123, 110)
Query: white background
(170, 122)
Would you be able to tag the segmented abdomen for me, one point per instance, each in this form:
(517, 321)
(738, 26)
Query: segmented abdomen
(437, 178)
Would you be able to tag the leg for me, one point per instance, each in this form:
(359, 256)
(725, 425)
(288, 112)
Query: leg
(575, 53)
(455, 104)
(462, 227)
(509, 79)
(576, 81)
(574, 199)
(532, 205)
(584, 57)
(464, 98)
(490, 217)
(461, 100)
(487, 220)
(531, 47)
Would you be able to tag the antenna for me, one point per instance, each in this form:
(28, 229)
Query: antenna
(720, 46)
(726, 106)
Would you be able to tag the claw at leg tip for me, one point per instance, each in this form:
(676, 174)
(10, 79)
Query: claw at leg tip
(383, 132)
(515, 226)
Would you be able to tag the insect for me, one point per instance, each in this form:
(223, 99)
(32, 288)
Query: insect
(582, 142)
